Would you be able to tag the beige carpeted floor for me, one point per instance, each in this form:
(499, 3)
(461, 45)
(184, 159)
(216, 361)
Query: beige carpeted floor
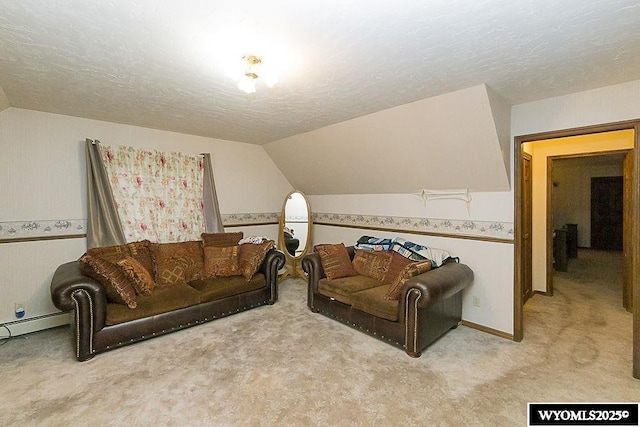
(283, 365)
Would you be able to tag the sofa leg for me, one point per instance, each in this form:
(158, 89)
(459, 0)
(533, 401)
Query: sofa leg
(414, 353)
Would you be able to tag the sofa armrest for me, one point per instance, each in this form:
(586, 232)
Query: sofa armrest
(273, 261)
(70, 289)
(313, 267)
(438, 284)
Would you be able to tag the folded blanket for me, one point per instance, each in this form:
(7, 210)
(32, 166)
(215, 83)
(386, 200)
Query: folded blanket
(256, 240)
(416, 252)
(374, 244)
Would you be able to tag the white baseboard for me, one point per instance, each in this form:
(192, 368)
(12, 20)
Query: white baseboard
(34, 324)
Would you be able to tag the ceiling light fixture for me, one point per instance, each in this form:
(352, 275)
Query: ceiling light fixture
(253, 70)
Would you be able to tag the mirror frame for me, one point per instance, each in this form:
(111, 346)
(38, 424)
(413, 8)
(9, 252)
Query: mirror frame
(292, 260)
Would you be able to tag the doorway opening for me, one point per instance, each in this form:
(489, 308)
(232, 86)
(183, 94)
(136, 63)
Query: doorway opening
(542, 241)
(587, 208)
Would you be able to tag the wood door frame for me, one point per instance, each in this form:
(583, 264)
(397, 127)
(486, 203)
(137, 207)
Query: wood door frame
(528, 157)
(635, 223)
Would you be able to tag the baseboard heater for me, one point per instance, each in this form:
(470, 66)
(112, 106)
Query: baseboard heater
(34, 324)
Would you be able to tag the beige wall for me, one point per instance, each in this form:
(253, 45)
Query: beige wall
(540, 151)
(455, 140)
(42, 177)
(572, 194)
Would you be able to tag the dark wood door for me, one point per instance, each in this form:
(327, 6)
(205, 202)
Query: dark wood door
(525, 192)
(606, 213)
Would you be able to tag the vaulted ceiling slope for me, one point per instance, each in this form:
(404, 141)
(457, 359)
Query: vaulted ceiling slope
(163, 64)
(452, 141)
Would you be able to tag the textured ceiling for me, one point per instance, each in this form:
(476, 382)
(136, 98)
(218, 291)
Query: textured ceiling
(161, 64)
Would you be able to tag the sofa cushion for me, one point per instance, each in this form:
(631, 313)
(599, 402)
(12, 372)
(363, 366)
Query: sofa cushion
(161, 300)
(396, 267)
(372, 264)
(221, 239)
(212, 289)
(117, 286)
(409, 271)
(141, 251)
(138, 275)
(335, 261)
(251, 257)
(178, 262)
(373, 301)
(221, 261)
(342, 288)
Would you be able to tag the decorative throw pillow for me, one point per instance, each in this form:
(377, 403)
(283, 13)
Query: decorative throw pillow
(335, 261)
(221, 261)
(178, 262)
(221, 239)
(138, 275)
(397, 265)
(111, 253)
(374, 264)
(116, 284)
(251, 257)
(411, 270)
(141, 251)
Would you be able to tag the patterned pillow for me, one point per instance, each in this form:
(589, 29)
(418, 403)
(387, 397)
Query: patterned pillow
(141, 251)
(221, 239)
(374, 264)
(116, 284)
(138, 275)
(251, 257)
(221, 261)
(335, 261)
(178, 262)
(111, 253)
(398, 263)
(409, 271)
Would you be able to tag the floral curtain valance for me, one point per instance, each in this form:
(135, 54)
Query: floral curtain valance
(158, 195)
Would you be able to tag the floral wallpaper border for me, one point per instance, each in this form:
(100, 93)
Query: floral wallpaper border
(42, 229)
(250, 218)
(464, 228)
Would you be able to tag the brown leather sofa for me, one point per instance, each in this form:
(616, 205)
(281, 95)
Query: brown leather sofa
(98, 324)
(429, 305)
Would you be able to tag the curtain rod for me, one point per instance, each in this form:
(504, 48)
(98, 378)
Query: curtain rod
(93, 141)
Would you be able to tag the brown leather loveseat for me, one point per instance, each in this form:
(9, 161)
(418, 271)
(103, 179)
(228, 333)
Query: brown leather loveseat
(427, 305)
(102, 322)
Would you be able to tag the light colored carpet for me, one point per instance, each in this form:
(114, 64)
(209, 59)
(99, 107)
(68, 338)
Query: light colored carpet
(283, 365)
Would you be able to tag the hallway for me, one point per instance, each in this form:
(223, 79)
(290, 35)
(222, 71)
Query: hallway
(584, 323)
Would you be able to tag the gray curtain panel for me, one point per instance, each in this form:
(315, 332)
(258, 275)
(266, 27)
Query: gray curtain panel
(103, 222)
(213, 219)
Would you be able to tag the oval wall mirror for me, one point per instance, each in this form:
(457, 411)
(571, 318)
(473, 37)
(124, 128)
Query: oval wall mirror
(294, 237)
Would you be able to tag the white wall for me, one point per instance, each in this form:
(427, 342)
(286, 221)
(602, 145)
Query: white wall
(42, 177)
(603, 105)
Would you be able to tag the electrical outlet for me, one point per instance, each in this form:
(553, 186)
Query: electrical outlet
(20, 309)
(476, 301)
